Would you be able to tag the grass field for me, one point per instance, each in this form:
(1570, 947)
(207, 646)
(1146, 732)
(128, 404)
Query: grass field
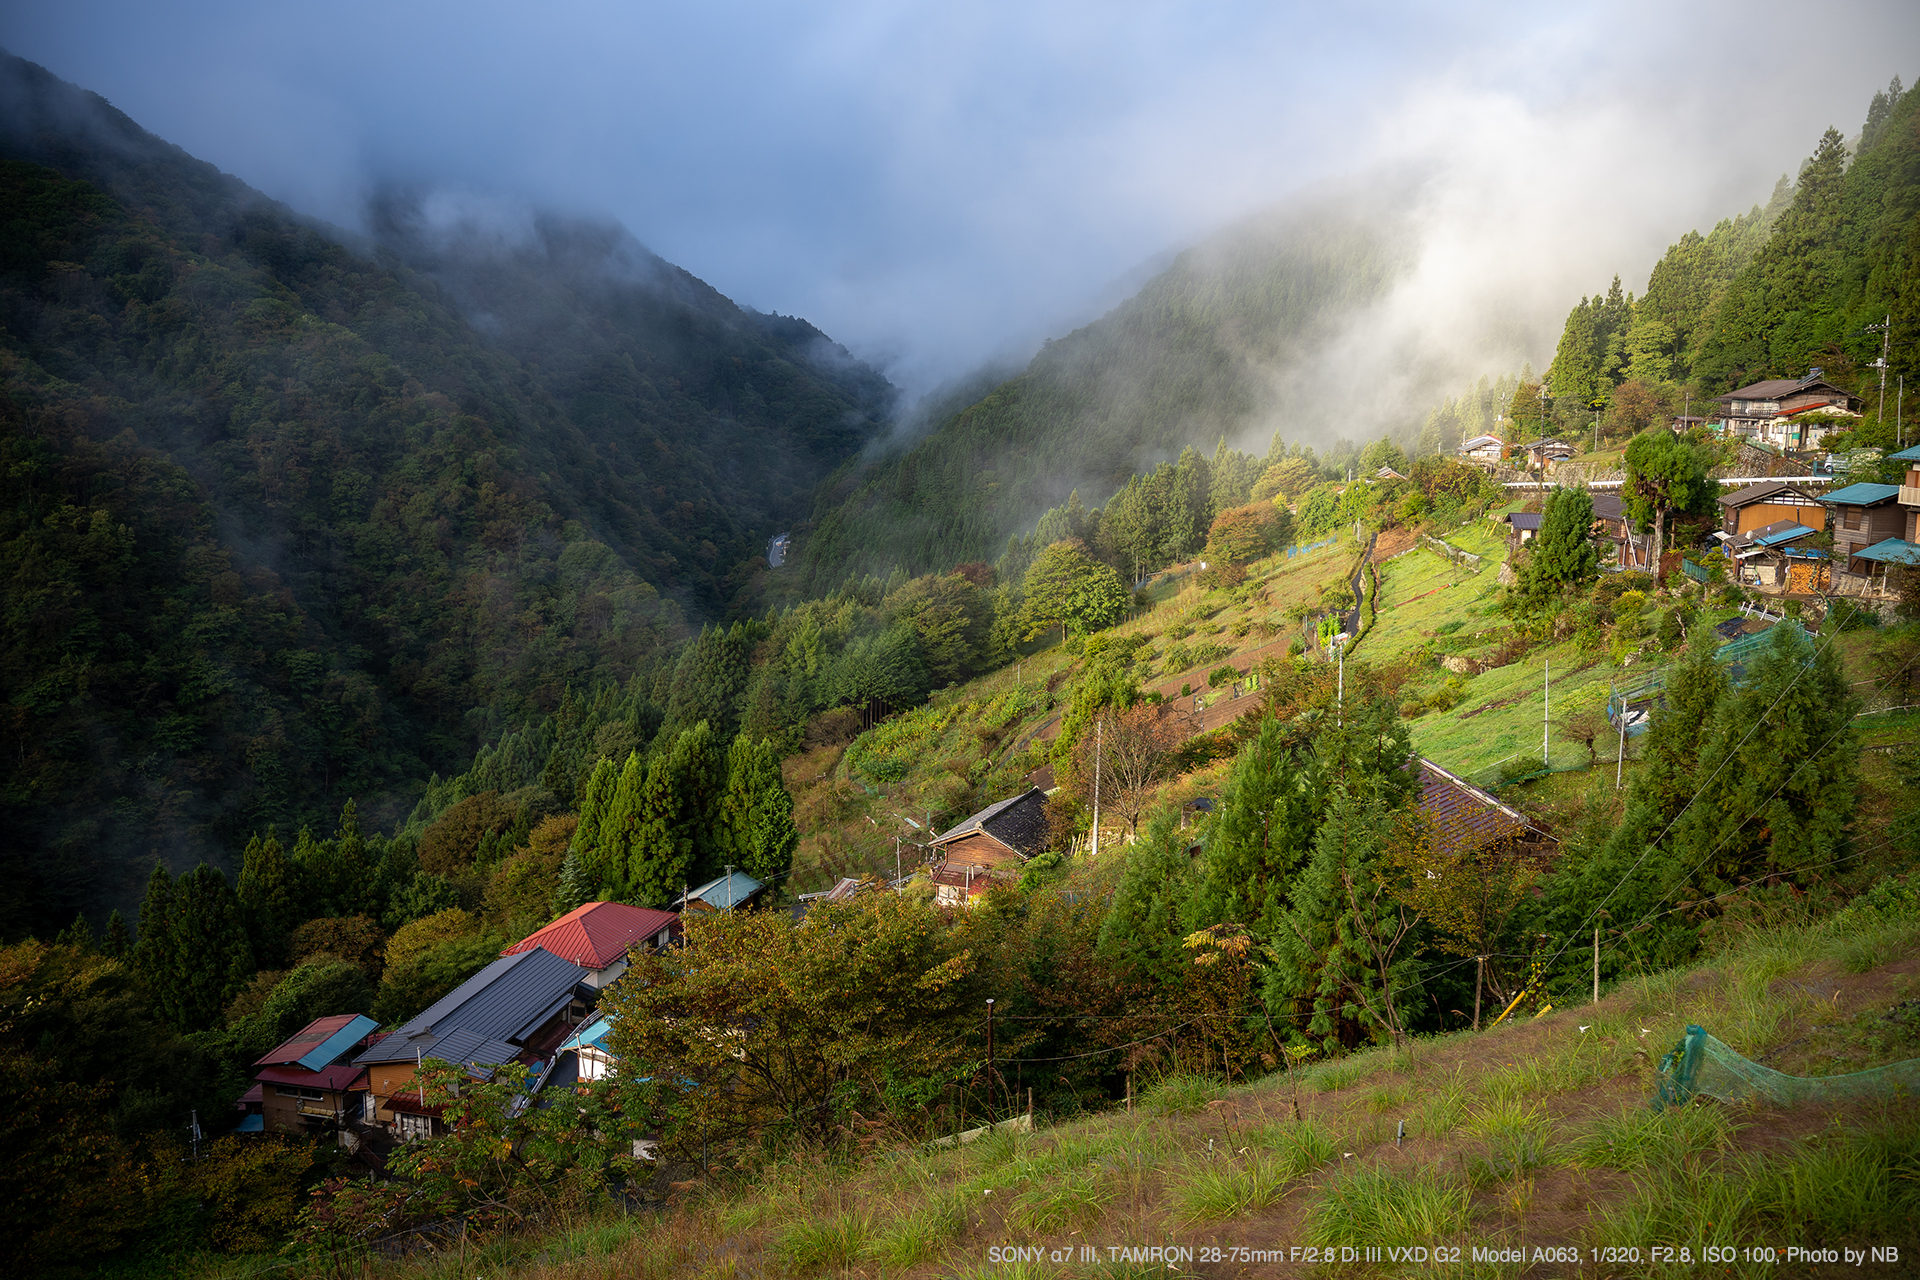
(1535, 1136)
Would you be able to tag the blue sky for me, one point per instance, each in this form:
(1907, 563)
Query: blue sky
(937, 185)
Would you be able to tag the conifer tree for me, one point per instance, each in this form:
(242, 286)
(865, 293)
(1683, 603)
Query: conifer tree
(1264, 829)
(661, 854)
(78, 935)
(1563, 555)
(756, 812)
(1141, 933)
(116, 945)
(619, 830)
(1340, 955)
(595, 799)
(153, 960)
(209, 960)
(268, 896)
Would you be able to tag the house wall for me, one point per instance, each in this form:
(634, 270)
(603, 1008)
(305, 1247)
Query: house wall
(1875, 524)
(979, 850)
(1758, 515)
(280, 1107)
(386, 1079)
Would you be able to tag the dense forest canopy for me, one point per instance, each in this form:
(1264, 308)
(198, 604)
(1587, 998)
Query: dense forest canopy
(293, 518)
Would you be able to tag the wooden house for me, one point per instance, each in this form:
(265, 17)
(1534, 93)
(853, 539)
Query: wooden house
(1862, 515)
(1909, 498)
(308, 1083)
(1772, 410)
(1485, 450)
(1630, 550)
(517, 1009)
(991, 845)
(1768, 502)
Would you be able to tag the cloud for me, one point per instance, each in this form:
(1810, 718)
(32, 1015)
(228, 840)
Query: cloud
(938, 185)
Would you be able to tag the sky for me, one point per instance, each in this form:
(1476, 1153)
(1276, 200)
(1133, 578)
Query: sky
(937, 186)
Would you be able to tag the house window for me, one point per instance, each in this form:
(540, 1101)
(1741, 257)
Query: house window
(1852, 518)
(414, 1128)
(309, 1095)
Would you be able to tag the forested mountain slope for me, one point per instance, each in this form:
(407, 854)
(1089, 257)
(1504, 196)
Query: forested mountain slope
(1776, 291)
(290, 518)
(1196, 355)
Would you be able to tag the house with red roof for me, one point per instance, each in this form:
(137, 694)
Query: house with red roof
(596, 937)
(309, 1083)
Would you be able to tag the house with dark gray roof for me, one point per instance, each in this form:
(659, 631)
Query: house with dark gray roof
(1775, 410)
(517, 1009)
(991, 845)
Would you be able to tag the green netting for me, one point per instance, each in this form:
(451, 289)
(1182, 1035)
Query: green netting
(1701, 1066)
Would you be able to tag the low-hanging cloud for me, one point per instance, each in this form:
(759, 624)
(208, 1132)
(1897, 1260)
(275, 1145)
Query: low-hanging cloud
(940, 186)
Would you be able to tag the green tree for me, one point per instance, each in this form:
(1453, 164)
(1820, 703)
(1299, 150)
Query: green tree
(118, 943)
(209, 960)
(1339, 958)
(270, 898)
(1664, 474)
(757, 812)
(854, 1010)
(1563, 556)
(1264, 829)
(950, 617)
(1067, 588)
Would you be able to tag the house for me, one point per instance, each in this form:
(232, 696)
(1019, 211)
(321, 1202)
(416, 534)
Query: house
(1761, 556)
(1909, 491)
(1486, 450)
(734, 889)
(591, 1050)
(597, 937)
(988, 847)
(1526, 525)
(1768, 502)
(517, 1009)
(1863, 514)
(1542, 455)
(1610, 525)
(1387, 473)
(307, 1083)
(1773, 410)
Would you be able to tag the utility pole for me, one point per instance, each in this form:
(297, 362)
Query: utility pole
(1340, 693)
(1886, 337)
(1620, 763)
(1546, 698)
(1479, 978)
(1098, 727)
(729, 885)
(990, 1066)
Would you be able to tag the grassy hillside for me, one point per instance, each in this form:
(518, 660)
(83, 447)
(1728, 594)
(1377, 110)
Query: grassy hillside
(1533, 1136)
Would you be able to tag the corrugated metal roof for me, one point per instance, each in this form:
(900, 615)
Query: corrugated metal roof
(320, 1041)
(1526, 519)
(335, 1077)
(1462, 814)
(596, 935)
(1781, 531)
(1891, 551)
(1909, 454)
(252, 1124)
(506, 1001)
(592, 1035)
(1755, 492)
(718, 895)
(1863, 494)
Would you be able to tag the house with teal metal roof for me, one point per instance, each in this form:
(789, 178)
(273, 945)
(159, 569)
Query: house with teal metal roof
(1861, 515)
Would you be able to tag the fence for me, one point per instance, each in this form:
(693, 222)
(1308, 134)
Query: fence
(1634, 704)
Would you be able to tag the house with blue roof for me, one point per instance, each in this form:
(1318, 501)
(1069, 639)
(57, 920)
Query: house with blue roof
(729, 892)
(1863, 516)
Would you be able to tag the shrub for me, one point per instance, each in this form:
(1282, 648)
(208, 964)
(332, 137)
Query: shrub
(1222, 675)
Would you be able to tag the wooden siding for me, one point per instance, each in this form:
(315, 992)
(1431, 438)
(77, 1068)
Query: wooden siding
(1875, 524)
(980, 850)
(1759, 515)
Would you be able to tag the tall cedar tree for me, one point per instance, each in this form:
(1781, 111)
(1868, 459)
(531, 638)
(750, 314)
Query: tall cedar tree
(269, 898)
(1564, 557)
(1617, 871)
(1268, 816)
(1780, 771)
(1335, 964)
(756, 811)
(208, 960)
(1140, 936)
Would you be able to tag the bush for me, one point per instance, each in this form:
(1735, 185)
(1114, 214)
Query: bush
(1845, 615)
(1222, 675)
